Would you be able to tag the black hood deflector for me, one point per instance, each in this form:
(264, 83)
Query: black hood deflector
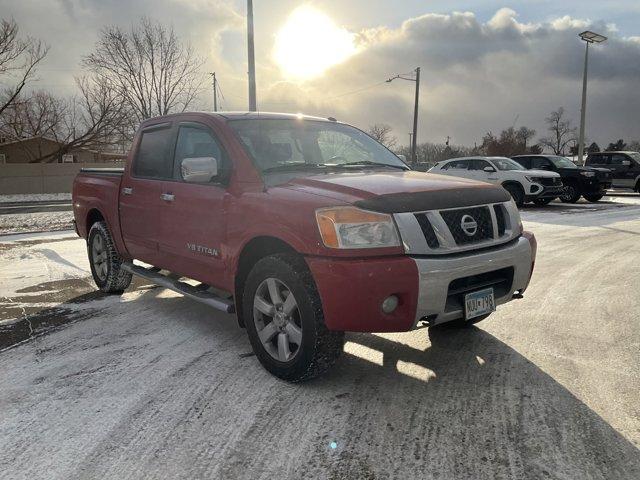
(434, 200)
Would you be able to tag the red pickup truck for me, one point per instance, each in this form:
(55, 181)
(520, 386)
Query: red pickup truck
(305, 227)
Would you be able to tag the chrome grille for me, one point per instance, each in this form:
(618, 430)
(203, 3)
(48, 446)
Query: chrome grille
(482, 217)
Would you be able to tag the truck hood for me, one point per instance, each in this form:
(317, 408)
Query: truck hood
(399, 191)
(539, 173)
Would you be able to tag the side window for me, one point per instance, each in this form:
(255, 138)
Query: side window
(524, 161)
(478, 164)
(457, 165)
(195, 141)
(541, 163)
(153, 159)
(616, 159)
(597, 159)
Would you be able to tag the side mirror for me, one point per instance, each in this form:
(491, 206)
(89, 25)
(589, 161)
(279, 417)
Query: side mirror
(489, 169)
(626, 163)
(199, 169)
(402, 157)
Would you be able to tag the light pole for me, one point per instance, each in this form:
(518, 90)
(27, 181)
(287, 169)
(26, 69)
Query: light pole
(414, 160)
(588, 37)
(250, 54)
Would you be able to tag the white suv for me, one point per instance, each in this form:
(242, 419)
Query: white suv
(537, 186)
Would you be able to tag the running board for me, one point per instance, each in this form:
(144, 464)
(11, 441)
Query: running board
(190, 291)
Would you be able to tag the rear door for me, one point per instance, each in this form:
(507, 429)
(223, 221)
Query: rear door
(457, 168)
(624, 176)
(193, 214)
(140, 202)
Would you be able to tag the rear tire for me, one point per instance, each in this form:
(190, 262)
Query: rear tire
(593, 198)
(541, 202)
(105, 261)
(283, 315)
(516, 193)
(570, 194)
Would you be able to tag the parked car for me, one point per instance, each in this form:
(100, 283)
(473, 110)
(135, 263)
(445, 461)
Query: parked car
(591, 183)
(304, 227)
(624, 166)
(537, 186)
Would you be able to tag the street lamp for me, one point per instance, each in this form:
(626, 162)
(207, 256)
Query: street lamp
(416, 79)
(588, 37)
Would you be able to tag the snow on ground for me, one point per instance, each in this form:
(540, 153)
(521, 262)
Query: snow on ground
(35, 222)
(34, 197)
(35, 272)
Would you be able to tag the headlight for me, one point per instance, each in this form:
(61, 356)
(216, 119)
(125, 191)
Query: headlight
(533, 179)
(588, 174)
(350, 227)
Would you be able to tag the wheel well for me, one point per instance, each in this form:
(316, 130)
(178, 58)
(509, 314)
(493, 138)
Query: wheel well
(93, 216)
(256, 249)
(513, 183)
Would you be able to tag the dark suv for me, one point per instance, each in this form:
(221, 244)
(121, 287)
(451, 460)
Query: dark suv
(591, 183)
(624, 166)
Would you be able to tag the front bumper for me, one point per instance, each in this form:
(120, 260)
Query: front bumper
(546, 192)
(438, 304)
(352, 290)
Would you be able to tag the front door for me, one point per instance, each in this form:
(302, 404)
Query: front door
(193, 214)
(140, 202)
(624, 170)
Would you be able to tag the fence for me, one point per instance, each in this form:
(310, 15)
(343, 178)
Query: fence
(25, 178)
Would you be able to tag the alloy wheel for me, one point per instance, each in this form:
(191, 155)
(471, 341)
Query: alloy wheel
(99, 257)
(277, 319)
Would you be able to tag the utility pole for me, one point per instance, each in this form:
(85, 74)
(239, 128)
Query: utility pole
(251, 55)
(215, 91)
(414, 135)
(588, 37)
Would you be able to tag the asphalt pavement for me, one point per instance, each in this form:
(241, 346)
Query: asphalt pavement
(153, 385)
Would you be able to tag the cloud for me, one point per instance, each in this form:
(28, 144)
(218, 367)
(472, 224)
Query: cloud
(479, 76)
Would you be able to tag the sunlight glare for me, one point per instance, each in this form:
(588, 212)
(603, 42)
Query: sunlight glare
(310, 42)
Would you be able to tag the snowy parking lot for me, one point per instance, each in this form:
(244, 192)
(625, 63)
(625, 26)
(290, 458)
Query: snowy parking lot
(153, 385)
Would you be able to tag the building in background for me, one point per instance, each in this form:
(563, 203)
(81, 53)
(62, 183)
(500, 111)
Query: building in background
(42, 149)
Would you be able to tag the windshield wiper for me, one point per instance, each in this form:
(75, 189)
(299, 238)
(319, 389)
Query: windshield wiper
(367, 163)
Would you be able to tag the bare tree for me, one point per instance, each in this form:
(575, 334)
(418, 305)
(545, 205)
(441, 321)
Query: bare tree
(523, 134)
(91, 119)
(561, 132)
(19, 58)
(634, 146)
(382, 133)
(148, 66)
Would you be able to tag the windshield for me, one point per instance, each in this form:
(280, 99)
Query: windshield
(291, 144)
(635, 156)
(504, 163)
(562, 162)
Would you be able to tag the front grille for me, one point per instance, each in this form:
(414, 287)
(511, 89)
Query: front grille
(550, 181)
(427, 230)
(500, 220)
(482, 217)
(500, 280)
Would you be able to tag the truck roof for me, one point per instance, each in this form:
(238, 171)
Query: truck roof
(269, 115)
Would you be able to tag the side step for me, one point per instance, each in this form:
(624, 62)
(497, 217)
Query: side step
(190, 291)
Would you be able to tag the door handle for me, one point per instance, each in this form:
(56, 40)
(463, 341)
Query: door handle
(127, 190)
(167, 197)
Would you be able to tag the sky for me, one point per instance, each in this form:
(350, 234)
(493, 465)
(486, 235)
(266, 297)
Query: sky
(485, 65)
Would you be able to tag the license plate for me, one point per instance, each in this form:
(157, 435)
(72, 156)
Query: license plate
(479, 303)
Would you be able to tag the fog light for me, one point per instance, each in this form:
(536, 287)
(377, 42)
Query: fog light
(390, 304)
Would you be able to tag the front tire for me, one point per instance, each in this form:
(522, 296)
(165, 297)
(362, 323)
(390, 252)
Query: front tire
(516, 193)
(284, 320)
(105, 261)
(593, 198)
(570, 194)
(541, 202)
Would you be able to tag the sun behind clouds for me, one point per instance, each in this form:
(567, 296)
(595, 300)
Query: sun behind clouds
(310, 42)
